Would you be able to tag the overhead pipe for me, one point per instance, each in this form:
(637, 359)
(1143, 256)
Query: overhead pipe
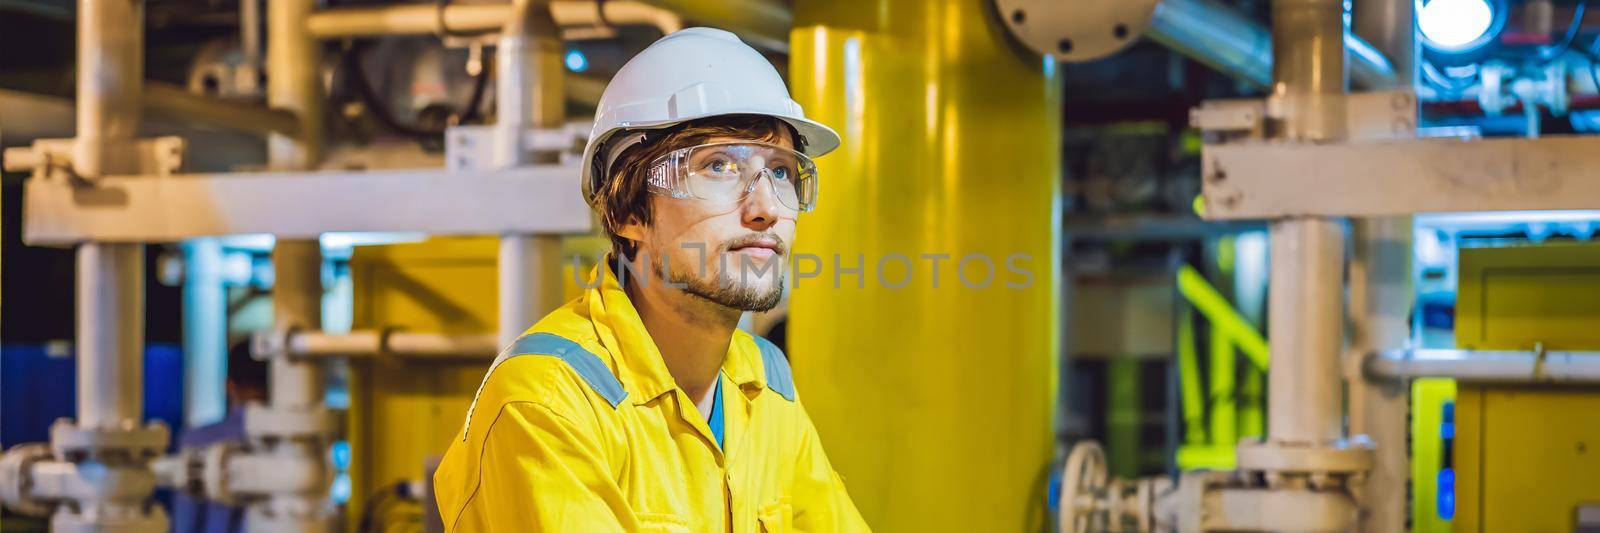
(1230, 42)
(1492, 366)
(423, 19)
(762, 23)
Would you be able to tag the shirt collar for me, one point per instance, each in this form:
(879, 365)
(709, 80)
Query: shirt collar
(636, 358)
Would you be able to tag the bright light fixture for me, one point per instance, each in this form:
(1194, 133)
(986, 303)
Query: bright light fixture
(1455, 24)
(576, 62)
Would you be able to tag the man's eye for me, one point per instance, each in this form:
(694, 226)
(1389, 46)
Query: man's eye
(718, 165)
(781, 173)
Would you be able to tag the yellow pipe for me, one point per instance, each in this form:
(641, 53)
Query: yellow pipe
(935, 403)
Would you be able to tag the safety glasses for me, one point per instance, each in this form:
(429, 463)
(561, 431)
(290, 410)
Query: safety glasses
(726, 173)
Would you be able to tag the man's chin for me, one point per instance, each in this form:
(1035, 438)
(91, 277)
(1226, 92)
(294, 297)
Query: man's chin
(756, 296)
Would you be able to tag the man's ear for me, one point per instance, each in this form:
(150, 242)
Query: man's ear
(632, 230)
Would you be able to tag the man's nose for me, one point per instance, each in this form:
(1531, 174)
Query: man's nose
(761, 206)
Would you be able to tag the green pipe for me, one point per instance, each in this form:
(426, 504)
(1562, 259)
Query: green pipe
(1194, 415)
(1222, 316)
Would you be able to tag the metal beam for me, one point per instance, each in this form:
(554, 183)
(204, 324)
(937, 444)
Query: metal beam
(542, 199)
(1268, 180)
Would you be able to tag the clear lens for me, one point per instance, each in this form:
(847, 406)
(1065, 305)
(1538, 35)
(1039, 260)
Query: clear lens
(725, 173)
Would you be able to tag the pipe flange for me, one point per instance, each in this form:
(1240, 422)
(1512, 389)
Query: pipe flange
(16, 479)
(1076, 31)
(131, 441)
(266, 422)
(266, 345)
(1340, 458)
(184, 472)
(214, 473)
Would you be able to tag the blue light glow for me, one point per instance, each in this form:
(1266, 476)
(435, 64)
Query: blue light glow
(1455, 24)
(1446, 504)
(576, 61)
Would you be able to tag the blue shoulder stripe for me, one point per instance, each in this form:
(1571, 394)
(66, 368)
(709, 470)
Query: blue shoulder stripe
(779, 377)
(586, 364)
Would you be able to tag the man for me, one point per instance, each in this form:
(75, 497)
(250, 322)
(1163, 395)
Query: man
(639, 406)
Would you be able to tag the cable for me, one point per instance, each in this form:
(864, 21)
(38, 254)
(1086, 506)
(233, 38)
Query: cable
(1572, 33)
(480, 85)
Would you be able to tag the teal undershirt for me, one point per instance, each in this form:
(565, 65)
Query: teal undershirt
(714, 420)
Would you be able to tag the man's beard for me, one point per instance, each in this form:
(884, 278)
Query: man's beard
(728, 291)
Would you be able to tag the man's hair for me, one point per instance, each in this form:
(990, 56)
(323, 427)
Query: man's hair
(624, 198)
(245, 371)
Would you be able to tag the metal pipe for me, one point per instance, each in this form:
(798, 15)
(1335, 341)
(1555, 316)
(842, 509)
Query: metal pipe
(178, 103)
(110, 336)
(1486, 366)
(529, 87)
(1391, 27)
(293, 59)
(1224, 39)
(367, 343)
(1308, 72)
(421, 19)
(1381, 298)
(109, 489)
(1380, 307)
(1307, 254)
(296, 305)
(1303, 391)
(762, 23)
(110, 72)
(604, 15)
(205, 333)
(250, 32)
(293, 84)
(403, 19)
(530, 282)
(296, 386)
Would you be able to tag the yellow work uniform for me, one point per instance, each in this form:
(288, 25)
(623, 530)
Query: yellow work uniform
(578, 426)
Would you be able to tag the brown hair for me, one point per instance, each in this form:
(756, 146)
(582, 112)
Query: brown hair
(623, 198)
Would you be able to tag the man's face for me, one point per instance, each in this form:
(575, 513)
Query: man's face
(730, 254)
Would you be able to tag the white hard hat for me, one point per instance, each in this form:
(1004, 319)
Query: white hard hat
(691, 74)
